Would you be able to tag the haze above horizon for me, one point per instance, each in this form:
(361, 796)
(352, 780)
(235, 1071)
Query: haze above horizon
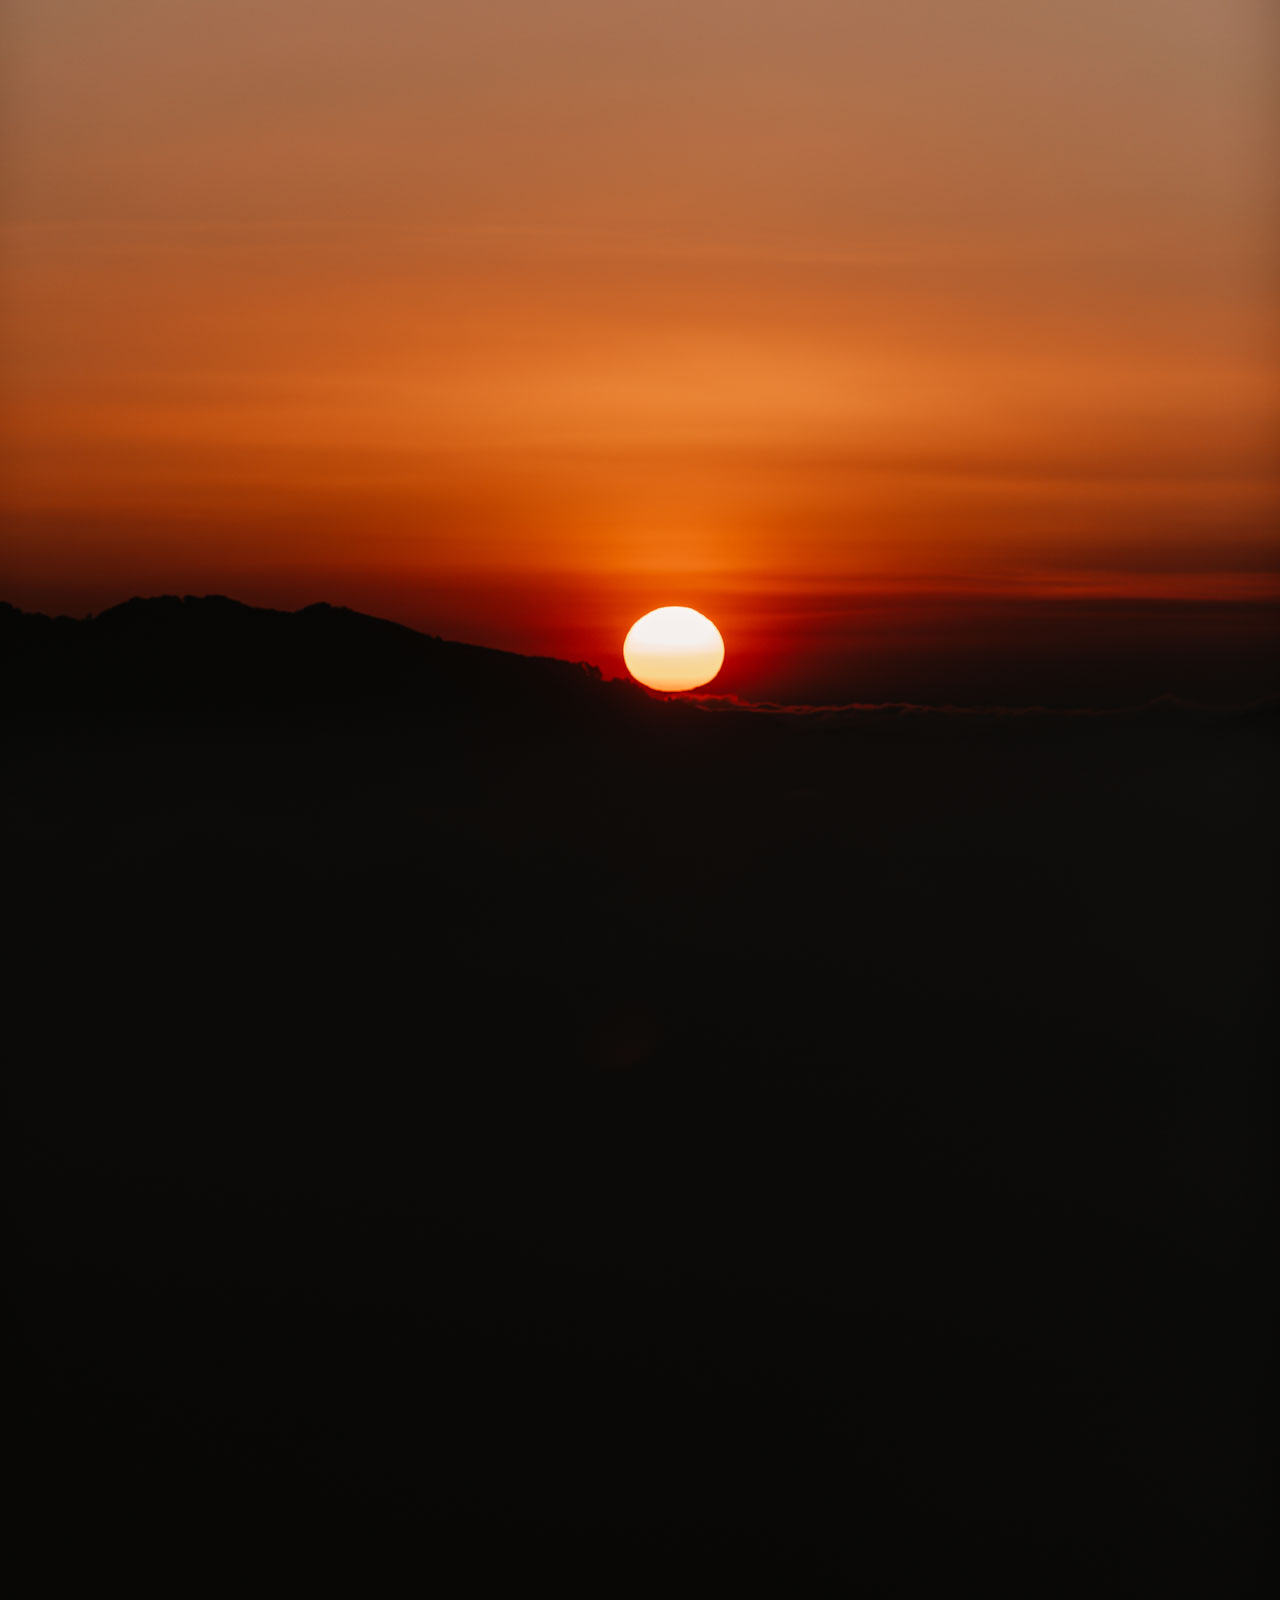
(515, 322)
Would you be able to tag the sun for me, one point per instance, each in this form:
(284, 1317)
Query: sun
(673, 648)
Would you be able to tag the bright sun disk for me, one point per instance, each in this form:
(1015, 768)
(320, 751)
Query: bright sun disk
(673, 648)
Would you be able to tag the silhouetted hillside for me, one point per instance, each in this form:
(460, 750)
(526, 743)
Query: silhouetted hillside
(468, 1112)
(213, 655)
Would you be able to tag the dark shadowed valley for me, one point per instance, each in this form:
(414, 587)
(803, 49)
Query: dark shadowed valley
(471, 1113)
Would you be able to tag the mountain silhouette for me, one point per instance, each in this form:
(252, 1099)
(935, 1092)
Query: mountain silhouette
(210, 653)
(469, 1111)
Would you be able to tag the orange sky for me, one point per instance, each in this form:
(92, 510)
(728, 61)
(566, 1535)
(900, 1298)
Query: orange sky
(515, 319)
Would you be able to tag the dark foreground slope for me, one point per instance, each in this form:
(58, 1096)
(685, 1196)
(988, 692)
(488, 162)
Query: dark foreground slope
(473, 1114)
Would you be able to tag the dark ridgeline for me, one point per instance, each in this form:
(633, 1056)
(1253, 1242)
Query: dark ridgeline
(469, 1112)
(210, 655)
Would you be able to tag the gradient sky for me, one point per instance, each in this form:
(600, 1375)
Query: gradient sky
(514, 319)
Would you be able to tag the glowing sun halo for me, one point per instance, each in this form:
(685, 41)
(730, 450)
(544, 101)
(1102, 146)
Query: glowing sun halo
(673, 648)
